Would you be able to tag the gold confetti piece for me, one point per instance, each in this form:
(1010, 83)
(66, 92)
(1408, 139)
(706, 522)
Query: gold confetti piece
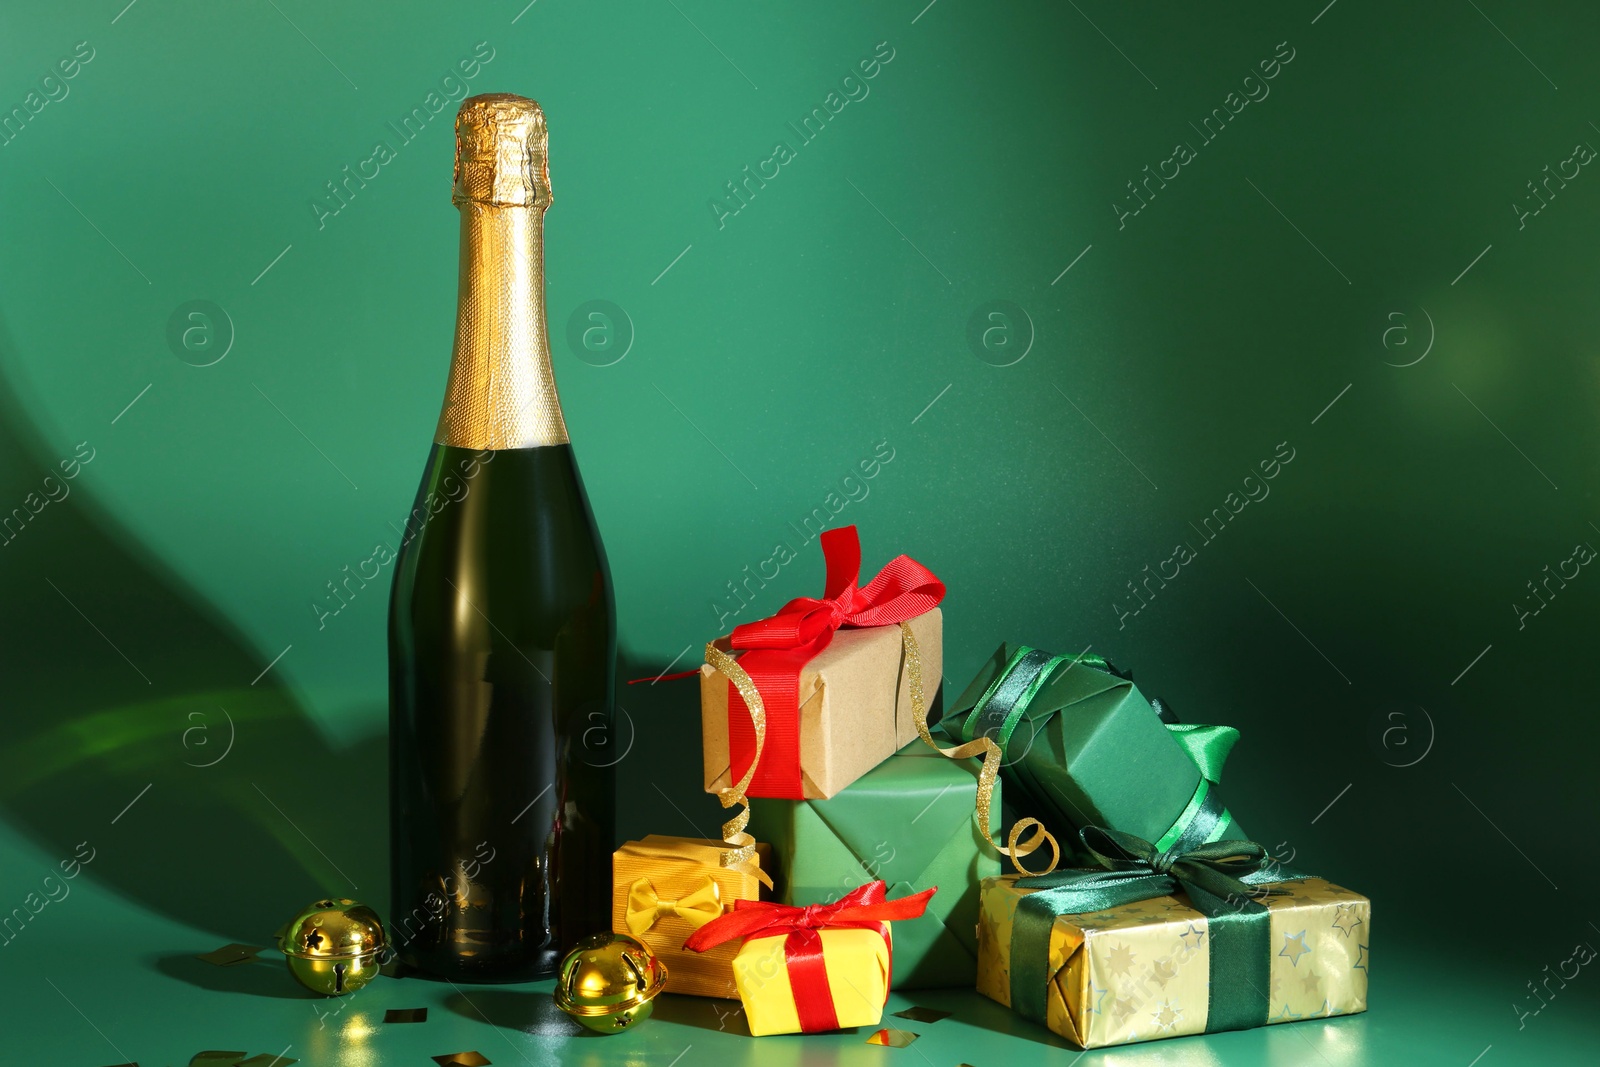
(463, 1059)
(228, 955)
(406, 1015)
(919, 1014)
(892, 1038)
(265, 1060)
(217, 1059)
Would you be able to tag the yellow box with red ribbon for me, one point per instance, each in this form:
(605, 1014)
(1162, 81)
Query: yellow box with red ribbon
(663, 889)
(835, 680)
(812, 969)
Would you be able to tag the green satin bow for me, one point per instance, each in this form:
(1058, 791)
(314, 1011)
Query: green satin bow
(1204, 818)
(1223, 880)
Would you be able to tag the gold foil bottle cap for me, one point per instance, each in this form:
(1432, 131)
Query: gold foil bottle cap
(502, 152)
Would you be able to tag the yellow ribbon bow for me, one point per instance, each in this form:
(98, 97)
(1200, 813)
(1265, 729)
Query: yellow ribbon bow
(645, 907)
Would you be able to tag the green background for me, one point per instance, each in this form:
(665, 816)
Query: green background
(1405, 733)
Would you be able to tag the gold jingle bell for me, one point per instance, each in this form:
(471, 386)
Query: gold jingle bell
(333, 946)
(608, 982)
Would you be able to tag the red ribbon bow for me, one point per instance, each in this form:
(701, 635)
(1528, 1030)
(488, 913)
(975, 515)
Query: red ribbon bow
(778, 647)
(863, 908)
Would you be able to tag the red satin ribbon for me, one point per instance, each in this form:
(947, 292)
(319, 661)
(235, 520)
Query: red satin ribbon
(778, 647)
(864, 907)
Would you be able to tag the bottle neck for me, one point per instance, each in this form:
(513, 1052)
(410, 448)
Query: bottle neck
(502, 390)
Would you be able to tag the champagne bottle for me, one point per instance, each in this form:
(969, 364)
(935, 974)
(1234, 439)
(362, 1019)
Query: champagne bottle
(502, 635)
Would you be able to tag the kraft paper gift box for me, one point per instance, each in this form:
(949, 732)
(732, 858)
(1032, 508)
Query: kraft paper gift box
(1153, 969)
(811, 970)
(1083, 747)
(834, 706)
(908, 821)
(665, 888)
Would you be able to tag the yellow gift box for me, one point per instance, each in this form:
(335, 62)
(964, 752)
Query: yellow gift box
(858, 980)
(1142, 971)
(817, 968)
(665, 888)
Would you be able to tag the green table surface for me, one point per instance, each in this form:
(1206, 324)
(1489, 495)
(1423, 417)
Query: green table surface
(95, 981)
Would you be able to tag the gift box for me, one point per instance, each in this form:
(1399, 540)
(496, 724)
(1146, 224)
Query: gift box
(665, 888)
(1083, 747)
(834, 678)
(908, 821)
(810, 970)
(1183, 961)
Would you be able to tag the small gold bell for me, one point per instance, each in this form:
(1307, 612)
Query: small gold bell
(333, 946)
(608, 982)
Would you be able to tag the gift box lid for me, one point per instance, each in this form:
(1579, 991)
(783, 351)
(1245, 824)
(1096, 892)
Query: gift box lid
(680, 856)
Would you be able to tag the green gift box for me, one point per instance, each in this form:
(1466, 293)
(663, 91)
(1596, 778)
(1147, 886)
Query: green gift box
(1083, 747)
(910, 822)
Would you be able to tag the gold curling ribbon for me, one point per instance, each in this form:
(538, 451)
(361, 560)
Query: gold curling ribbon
(742, 857)
(992, 755)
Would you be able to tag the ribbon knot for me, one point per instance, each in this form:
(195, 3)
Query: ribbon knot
(1223, 875)
(902, 590)
(645, 907)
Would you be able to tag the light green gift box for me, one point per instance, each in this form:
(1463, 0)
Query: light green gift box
(910, 822)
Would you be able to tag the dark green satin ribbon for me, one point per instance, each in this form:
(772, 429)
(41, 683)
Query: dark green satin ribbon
(1223, 881)
(1006, 700)
(1000, 708)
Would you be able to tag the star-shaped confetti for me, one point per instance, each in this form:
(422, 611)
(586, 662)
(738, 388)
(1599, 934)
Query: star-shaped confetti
(1167, 1016)
(1294, 946)
(1121, 959)
(1346, 918)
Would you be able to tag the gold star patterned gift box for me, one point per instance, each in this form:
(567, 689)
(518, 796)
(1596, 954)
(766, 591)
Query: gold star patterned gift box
(1147, 970)
(665, 888)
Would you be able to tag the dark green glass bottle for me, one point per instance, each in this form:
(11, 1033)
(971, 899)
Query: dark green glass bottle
(502, 633)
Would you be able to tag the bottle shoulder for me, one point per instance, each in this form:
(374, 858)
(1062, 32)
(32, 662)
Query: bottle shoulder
(510, 529)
